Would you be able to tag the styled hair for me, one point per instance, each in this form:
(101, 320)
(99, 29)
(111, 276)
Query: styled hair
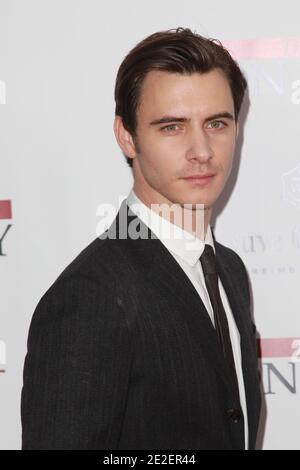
(176, 51)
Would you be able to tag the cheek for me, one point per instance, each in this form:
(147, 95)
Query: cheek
(158, 154)
(153, 162)
(224, 150)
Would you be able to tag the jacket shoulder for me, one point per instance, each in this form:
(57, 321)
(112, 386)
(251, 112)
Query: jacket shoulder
(91, 270)
(229, 257)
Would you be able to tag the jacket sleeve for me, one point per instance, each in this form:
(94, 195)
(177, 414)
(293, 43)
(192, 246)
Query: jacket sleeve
(77, 368)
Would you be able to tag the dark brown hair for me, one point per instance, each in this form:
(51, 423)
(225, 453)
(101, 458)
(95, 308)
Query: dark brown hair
(179, 51)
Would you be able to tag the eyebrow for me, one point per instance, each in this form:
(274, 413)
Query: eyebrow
(167, 119)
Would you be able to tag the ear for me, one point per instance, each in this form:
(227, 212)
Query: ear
(124, 138)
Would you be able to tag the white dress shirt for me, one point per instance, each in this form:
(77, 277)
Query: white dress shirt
(187, 249)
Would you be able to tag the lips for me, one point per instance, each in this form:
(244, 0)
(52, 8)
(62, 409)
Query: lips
(200, 179)
(200, 176)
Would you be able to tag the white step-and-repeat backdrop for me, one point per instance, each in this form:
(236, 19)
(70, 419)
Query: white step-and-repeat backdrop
(59, 161)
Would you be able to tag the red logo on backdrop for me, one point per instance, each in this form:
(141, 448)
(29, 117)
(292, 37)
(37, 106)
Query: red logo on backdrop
(264, 48)
(5, 209)
(5, 214)
(280, 347)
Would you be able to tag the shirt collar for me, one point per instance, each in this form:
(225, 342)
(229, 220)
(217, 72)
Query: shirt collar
(180, 242)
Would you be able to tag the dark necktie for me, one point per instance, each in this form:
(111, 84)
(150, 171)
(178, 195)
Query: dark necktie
(209, 266)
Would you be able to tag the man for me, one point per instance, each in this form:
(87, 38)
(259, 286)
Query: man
(146, 342)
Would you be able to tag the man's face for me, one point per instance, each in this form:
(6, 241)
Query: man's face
(196, 138)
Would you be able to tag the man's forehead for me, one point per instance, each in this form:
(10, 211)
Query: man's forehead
(169, 85)
(159, 76)
(166, 93)
(156, 80)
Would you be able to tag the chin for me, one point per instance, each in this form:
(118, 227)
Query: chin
(207, 202)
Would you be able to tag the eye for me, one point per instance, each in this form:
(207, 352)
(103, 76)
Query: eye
(217, 125)
(170, 128)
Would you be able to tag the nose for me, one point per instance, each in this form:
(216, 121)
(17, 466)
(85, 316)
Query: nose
(199, 146)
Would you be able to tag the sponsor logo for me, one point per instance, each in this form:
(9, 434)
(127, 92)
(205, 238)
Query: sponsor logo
(291, 186)
(275, 244)
(268, 76)
(275, 375)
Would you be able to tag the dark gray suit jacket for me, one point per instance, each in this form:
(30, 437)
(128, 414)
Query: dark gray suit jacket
(123, 355)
